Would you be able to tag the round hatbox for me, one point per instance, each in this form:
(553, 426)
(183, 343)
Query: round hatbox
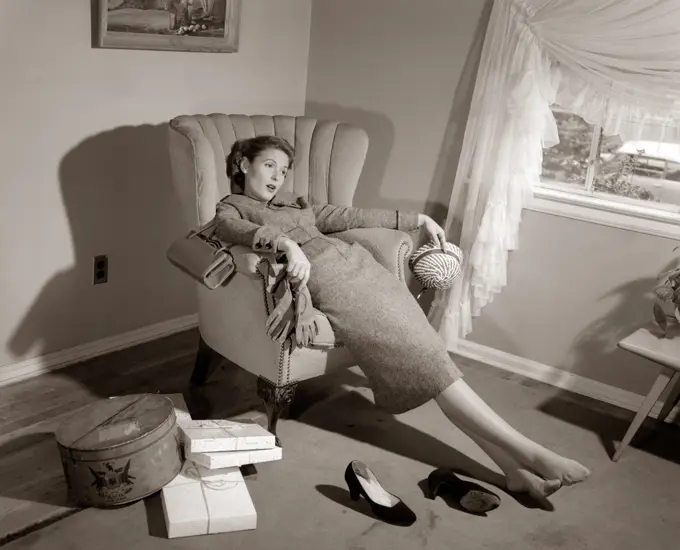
(120, 450)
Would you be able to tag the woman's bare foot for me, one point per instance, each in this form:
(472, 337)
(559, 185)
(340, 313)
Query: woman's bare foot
(524, 481)
(550, 465)
(517, 478)
(470, 413)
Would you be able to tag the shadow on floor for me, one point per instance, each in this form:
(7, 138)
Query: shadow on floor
(341, 496)
(155, 517)
(610, 423)
(31, 470)
(359, 419)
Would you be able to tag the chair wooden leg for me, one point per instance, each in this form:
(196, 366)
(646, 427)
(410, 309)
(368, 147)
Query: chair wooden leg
(276, 400)
(672, 399)
(207, 362)
(657, 389)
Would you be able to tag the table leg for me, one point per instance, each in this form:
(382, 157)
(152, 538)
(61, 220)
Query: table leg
(652, 397)
(673, 397)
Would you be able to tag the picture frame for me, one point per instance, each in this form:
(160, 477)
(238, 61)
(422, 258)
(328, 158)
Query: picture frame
(177, 25)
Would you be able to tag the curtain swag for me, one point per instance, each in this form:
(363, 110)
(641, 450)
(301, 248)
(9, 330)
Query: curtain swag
(615, 63)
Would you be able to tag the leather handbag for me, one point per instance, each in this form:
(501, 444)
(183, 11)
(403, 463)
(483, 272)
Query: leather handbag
(203, 258)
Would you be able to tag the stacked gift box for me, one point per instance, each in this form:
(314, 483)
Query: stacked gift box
(210, 495)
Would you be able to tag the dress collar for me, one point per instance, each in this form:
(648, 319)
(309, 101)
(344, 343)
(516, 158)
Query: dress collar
(281, 199)
(286, 198)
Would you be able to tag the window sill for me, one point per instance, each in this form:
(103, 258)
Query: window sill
(590, 209)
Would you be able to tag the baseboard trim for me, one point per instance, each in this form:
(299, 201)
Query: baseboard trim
(558, 378)
(28, 368)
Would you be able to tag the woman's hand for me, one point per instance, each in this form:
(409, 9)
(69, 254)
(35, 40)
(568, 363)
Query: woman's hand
(433, 229)
(298, 267)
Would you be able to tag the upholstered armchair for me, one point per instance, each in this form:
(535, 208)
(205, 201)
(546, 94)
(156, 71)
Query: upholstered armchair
(329, 157)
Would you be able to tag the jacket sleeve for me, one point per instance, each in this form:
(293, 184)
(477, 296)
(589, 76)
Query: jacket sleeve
(233, 229)
(332, 219)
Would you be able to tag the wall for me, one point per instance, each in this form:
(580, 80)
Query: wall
(405, 73)
(85, 167)
(574, 290)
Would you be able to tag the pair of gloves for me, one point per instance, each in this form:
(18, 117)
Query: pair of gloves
(294, 316)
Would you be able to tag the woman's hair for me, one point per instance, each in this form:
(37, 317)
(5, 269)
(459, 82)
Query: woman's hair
(250, 149)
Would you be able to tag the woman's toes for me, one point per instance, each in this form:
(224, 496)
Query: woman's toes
(553, 466)
(575, 473)
(550, 486)
(523, 481)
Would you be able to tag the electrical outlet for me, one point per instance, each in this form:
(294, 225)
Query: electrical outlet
(101, 270)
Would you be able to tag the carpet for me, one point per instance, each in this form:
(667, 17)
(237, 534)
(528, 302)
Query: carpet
(302, 501)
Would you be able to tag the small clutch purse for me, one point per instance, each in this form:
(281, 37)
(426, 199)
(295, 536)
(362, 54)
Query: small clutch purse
(204, 259)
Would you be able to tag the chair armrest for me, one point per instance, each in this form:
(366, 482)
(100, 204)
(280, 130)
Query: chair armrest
(389, 247)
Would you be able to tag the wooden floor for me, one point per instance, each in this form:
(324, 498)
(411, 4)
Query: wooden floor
(32, 487)
(627, 505)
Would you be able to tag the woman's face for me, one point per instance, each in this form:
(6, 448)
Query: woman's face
(265, 174)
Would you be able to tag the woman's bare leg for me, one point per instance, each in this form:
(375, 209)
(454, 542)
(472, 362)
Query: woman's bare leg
(470, 413)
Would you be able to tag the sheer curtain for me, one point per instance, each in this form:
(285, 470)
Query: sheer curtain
(616, 63)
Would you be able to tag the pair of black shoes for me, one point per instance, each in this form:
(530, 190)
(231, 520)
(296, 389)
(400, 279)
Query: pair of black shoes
(361, 481)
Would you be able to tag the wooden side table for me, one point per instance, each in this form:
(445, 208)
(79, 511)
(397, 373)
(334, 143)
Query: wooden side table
(648, 343)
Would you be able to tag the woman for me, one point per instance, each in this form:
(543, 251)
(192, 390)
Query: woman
(372, 313)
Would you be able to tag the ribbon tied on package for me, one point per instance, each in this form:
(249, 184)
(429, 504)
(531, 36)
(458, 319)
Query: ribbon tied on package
(206, 436)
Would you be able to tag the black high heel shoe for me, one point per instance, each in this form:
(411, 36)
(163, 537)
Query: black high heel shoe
(472, 497)
(361, 481)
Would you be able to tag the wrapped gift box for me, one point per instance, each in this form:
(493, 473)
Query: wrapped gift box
(209, 436)
(204, 502)
(251, 417)
(230, 459)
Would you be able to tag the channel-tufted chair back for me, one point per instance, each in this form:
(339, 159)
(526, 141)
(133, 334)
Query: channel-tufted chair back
(329, 157)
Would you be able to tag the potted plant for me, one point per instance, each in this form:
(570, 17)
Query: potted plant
(667, 292)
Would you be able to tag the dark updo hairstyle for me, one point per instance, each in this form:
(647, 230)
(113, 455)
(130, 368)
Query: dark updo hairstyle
(250, 148)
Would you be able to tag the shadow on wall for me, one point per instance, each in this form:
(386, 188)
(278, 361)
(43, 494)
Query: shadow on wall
(94, 23)
(118, 196)
(452, 144)
(596, 349)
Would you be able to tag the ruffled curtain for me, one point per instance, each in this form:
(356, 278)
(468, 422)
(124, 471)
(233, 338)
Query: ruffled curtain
(615, 63)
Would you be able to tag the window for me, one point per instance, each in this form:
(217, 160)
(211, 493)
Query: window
(634, 178)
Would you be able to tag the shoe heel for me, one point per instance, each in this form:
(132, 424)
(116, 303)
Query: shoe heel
(396, 514)
(432, 490)
(353, 486)
(354, 494)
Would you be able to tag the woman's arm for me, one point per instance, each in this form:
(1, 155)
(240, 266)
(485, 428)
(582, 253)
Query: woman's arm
(232, 228)
(332, 219)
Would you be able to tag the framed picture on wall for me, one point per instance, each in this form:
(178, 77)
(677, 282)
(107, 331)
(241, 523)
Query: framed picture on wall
(180, 25)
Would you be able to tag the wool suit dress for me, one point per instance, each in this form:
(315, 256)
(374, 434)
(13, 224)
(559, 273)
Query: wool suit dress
(371, 312)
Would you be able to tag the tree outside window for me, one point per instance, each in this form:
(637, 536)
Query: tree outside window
(586, 161)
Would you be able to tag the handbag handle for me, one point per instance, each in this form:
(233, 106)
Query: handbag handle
(209, 225)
